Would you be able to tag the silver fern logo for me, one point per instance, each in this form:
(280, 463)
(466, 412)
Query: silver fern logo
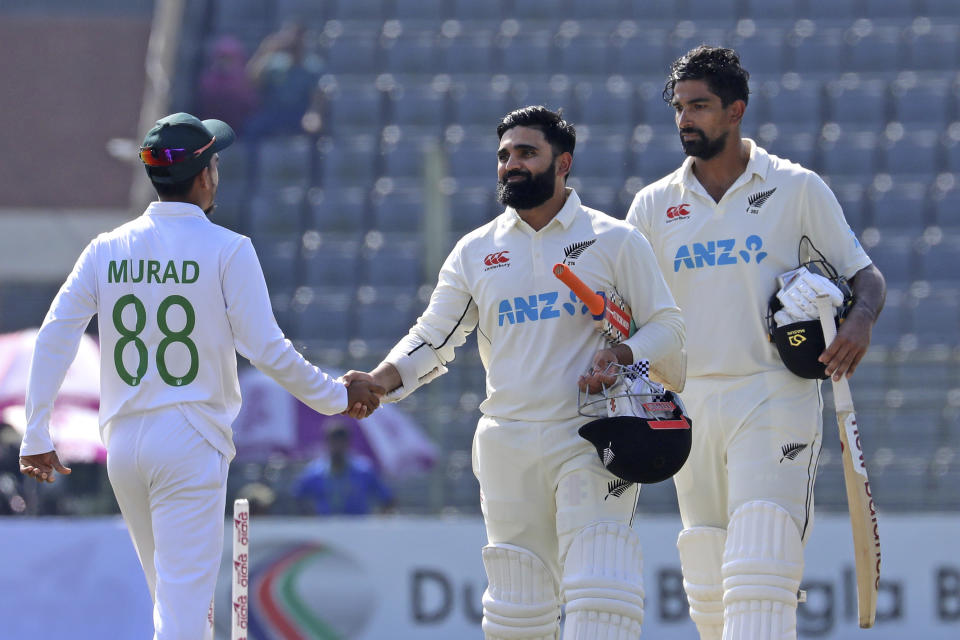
(616, 488)
(757, 200)
(608, 455)
(791, 450)
(573, 251)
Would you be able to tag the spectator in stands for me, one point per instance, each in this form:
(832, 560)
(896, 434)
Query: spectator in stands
(226, 90)
(342, 483)
(285, 75)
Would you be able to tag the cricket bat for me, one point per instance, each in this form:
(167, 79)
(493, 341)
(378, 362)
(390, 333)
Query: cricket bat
(863, 511)
(615, 323)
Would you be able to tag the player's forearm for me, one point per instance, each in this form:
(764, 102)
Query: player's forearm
(869, 292)
(387, 376)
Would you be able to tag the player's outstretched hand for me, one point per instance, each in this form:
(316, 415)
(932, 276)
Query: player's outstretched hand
(40, 466)
(363, 394)
(600, 374)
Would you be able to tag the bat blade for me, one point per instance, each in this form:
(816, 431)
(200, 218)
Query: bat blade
(863, 509)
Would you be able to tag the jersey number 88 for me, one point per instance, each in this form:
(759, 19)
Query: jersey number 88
(128, 336)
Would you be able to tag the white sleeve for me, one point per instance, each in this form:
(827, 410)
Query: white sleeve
(451, 315)
(56, 347)
(637, 214)
(823, 222)
(660, 328)
(257, 337)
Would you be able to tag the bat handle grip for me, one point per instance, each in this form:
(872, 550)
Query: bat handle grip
(842, 398)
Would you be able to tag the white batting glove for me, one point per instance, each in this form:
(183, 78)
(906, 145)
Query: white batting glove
(799, 294)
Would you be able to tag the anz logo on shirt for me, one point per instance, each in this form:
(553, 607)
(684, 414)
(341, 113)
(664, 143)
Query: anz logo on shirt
(717, 253)
(543, 306)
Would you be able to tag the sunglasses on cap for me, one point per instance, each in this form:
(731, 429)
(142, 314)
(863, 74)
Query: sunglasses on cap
(165, 157)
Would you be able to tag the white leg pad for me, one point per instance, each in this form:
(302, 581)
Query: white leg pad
(603, 584)
(521, 601)
(762, 569)
(701, 555)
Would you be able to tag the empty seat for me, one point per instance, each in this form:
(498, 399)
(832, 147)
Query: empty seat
(661, 155)
(418, 104)
(645, 53)
(936, 320)
(881, 49)
(946, 208)
(339, 208)
(903, 207)
(475, 157)
(795, 144)
(357, 9)
(399, 211)
(326, 317)
(605, 103)
(830, 9)
(714, 10)
(528, 52)
(349, 160)
(793, 102)
(941, 261)
(553, 94)
(410, 54)
(925, 103)
(936, 49)
(277, 212)
(857, 101)
(334, 263)
(894, 256)
(602, 156)
(850, 194)
(913, 152)
(820, 53)
(764, 51)
(472, 208)
(419, 9)
(355, 105)
(772, 9)
(357, 55)
(850, 152)
(283, 162)
(278, 257)
(396, 263)
(387, 315)
(585, 54)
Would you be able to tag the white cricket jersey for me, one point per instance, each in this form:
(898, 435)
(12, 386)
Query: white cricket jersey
(722, 259)
(535, 337)
(177, 296)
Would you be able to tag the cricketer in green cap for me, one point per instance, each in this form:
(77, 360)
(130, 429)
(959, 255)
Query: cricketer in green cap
(177, 150)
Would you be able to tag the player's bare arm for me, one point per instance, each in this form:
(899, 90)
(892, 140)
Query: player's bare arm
(41, 466)
(853, 337)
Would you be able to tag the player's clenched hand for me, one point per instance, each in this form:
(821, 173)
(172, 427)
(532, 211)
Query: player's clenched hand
(363, 394)
(600, 374)
(41, 466)
(843, 355)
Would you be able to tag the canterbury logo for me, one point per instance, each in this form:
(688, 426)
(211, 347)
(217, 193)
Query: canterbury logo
(791, 450)
(756, 200)
(616, 488)
(678, 211)
(496, 258)
(572, 252)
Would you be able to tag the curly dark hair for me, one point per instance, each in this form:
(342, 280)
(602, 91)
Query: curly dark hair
(718, 66)
(558, 132)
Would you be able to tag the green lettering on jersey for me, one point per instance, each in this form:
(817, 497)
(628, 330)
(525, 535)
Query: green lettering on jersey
(139, 276)
(188, 277)
(153, 271)
(117, 271)
(170, 272)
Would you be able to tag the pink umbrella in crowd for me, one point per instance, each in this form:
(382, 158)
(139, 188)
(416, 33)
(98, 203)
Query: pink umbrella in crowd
(272, 422)
(74, 424)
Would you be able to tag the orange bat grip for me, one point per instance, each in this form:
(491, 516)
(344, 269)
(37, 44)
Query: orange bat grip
(594, 301)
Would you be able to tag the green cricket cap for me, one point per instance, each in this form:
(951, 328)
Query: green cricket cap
(180, 145)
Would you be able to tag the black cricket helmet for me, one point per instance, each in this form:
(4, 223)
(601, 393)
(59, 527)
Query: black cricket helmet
(641, 431)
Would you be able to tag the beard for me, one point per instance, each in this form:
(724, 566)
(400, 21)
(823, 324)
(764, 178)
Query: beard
(702, 147)
(531, 192)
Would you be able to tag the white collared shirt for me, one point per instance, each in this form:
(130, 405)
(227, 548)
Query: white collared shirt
(535, 338)
(177, 297)
(721, 259)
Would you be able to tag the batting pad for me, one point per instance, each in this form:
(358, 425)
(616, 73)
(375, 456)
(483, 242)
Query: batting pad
(603, 584)
(762, 569)
(520, 602)
(701, 555)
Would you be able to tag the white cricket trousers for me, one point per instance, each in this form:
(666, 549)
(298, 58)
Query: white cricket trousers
(171, 486)
(541, 484)
(755, 437)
